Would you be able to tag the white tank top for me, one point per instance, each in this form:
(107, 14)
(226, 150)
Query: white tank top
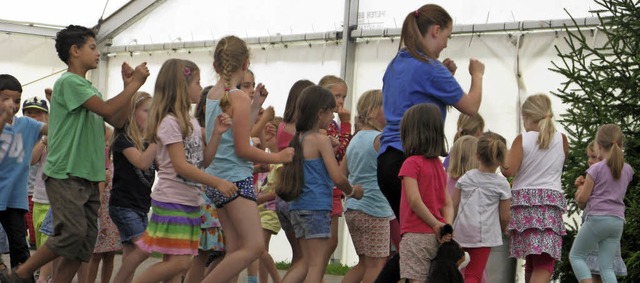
(540, 168)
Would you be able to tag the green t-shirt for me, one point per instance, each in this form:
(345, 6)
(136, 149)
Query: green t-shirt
(76, 135)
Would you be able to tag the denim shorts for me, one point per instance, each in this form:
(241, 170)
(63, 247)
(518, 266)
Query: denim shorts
(311, 224)
(131, 223)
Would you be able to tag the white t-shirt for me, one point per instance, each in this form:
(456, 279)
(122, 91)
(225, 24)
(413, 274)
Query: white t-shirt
(171, 187)
(478, 221)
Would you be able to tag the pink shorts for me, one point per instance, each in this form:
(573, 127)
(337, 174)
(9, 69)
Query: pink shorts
(336, 206)
(370, 234)
(539, 261)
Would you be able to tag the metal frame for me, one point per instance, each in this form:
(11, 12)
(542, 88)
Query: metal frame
(29, 28)
(123, 18)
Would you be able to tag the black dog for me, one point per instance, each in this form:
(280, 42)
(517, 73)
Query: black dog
(444, 267)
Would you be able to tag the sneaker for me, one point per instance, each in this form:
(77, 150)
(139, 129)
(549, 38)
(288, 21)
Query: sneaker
(5, 277)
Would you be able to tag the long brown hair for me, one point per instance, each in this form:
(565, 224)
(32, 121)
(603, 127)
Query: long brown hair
(611, 138)
(230, 55)
(422, 131)
(538, 109)
(292, 99)
(416, 25)
(171, 96)
(312, 101)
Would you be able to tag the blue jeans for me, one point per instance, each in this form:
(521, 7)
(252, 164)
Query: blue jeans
(603, 232)
(311, 224)
(131, 223)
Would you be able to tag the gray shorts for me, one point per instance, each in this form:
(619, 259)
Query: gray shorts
(311, 224)
(74, 206)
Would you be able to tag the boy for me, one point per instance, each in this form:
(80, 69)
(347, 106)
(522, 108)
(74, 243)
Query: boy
(75, 158)
(18, 136)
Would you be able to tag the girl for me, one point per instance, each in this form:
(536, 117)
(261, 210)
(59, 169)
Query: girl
(285, 132)
(482, 203)
(308, 180)
(367, 218)
(536, 159)
(340, 135)
(424, 35)
(425, 205)
(133, 176)
(467, 125)
(211, 235)
(176, 198)
(238, 212)
(619, 266)
(603, 194)
(463, 158)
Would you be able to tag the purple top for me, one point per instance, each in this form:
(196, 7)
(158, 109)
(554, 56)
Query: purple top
(607, 197)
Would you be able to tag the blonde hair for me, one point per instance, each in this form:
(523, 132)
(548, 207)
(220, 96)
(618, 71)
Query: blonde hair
(610, 138)
(469, 125)
(537, 108)
(230, 55)
(462, 157)
(368, 102)
(171, 96)
(329, 81)
(130, 130)
(492, 149)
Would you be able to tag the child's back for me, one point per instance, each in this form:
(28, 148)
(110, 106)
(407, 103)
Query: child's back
(541, 168)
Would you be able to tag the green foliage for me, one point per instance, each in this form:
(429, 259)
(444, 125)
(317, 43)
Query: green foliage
(602, 87)
(332, 268)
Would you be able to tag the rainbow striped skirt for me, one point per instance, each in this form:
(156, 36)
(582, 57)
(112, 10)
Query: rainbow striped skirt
(173, 229)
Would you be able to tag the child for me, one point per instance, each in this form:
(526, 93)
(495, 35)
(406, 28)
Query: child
(133, 175)
(425, 205)
(76, 151)
(536, 159)
(619, 266)
(450, 258)
(462, 159)
(234, 162)
(307, 182)
(286, 130)
(38, 109)
(340, 135)
(174, 227)
(211, 247)
(425, 33)
(367, 218)
(467, 125)
(482, 203)
(18, 137)
(603, 197)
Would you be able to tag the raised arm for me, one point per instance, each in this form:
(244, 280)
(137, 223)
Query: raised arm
(115, 110)
(470, 102)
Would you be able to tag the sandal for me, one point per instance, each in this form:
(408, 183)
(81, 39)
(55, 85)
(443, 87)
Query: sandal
(5, 277)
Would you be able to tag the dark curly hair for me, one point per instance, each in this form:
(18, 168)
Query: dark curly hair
(70, 36)
(444, 267)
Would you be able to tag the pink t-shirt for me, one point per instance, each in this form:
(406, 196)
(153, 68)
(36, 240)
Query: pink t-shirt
(432, 180)
(171, 187)
(283, 137)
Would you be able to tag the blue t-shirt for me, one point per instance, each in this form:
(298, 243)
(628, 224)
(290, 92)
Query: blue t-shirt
(317, 190)
(363, 168)
(227, 164)
(409, 81)
(16, 144)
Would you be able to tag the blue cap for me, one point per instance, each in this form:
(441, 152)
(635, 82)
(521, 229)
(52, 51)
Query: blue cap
(35, 103)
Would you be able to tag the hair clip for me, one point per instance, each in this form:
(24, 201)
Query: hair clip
(187, 71)
(416, 13)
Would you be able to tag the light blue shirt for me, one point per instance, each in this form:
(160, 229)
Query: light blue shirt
(226, 165)
(16, 144)
(317, 190)
(363, 166)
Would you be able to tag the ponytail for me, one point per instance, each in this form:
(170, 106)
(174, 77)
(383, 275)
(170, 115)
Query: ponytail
(537, 108)
(492, 149)
(616, 161)
(230, 55)
(610, 138)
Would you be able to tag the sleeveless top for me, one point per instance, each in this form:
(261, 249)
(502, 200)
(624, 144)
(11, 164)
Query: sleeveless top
(540, 168)
(226, 165)
(316, 192)
(363, 166)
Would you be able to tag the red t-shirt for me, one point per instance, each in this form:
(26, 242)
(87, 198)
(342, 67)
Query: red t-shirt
(283, 137)
(432, 180)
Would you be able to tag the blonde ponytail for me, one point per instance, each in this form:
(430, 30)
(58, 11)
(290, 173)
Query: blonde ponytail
(537, 108)
(610, 138)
